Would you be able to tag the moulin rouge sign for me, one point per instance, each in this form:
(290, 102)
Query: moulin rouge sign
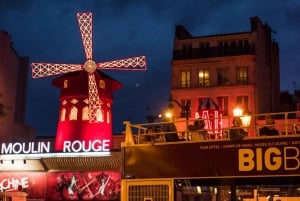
(46, 147)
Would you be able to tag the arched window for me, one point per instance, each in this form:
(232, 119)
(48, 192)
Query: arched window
(65, 84)
(85, 113)
(63, 114)
(101, 84)
(73, 113)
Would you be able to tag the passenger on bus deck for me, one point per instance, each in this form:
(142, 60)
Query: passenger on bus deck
(198, 131)
(158, 136)
(269, 129)
(236, 132)
(147, 137)
(171, 134)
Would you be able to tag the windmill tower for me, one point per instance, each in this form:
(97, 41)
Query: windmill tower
(86, 94)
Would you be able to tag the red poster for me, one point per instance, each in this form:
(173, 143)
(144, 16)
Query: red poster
(83, 185)
(31, 183)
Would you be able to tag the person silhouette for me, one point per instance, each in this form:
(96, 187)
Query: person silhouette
(268, 129)
(198, 130)
(236, 132)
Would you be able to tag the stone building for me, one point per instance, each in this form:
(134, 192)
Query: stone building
(13, 84)
(233, 69)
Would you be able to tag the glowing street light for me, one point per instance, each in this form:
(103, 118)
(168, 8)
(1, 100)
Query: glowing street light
(168, 114)
(244, 115)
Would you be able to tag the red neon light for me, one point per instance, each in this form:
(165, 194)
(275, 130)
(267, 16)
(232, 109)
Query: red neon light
(213, 122)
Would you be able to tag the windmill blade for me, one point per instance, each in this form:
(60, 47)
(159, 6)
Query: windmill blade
(95, 110)
(134, 63)
(86, 28)
(40, 70)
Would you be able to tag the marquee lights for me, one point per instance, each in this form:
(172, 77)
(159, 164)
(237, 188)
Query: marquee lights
(86, 146)
(26, 148)
(37, 150)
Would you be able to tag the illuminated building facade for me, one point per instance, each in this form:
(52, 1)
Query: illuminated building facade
(234, 70)
(13, 84)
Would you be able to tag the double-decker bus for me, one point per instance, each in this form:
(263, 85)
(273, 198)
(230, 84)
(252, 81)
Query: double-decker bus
(256, 168)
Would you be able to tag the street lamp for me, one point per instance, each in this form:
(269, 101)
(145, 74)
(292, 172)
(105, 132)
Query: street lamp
(246, 118)
(244, 115)
(185, 108)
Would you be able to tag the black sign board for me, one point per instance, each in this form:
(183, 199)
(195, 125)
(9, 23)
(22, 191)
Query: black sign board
(252, 157)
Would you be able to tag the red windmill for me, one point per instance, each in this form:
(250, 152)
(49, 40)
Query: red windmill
(85, 108)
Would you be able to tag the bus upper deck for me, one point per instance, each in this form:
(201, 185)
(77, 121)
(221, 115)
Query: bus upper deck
(219, 168)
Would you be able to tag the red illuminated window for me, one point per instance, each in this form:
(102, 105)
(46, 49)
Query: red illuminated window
(222, 102)
(223, 76)
(242, 101)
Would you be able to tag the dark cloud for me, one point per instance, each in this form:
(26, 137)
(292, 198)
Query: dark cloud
(47, 31)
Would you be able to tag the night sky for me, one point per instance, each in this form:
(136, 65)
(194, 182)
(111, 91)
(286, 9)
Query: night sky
(47, 31)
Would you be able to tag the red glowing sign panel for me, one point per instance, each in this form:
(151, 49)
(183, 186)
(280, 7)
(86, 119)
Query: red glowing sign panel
(64, 185)
(84, 186)
(32, 183)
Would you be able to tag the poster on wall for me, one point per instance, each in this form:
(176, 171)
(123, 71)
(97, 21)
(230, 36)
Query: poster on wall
(34, 184)
(83, 185)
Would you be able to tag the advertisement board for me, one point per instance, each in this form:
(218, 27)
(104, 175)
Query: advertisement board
(214, 159)
(102, 185)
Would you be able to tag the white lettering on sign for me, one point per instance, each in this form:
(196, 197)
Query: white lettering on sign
(25, 148)
(269, 159)
(86, 146)
(9, 184)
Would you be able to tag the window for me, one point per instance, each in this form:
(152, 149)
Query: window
(222, 102)
(203, 77)
(223, 76)
(99, 115)
(73, 113)
(232, 47)
(242, 75)
(204, 49)
(63, 114)
(226, 48)
(65, 84)
(101, 84)
(185, 103)
(85, 113)
(186, 79)
(201, 100)
(242, 101)
(187, 50)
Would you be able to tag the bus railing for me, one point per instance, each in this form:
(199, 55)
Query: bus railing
(287, 123)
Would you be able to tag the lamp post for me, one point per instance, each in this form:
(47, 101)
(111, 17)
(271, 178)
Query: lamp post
(244, 115)
(185, 108)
